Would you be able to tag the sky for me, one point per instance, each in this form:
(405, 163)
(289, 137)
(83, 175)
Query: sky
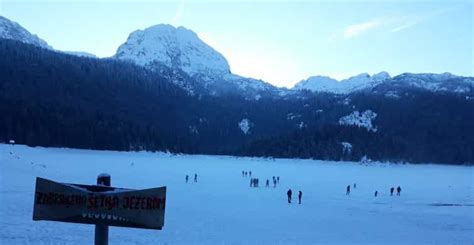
(280, 42)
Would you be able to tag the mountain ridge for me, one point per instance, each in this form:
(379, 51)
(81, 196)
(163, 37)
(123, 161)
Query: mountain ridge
(186, 60)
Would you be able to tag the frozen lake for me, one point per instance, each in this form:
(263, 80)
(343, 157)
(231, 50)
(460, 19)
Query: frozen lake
(436, 205)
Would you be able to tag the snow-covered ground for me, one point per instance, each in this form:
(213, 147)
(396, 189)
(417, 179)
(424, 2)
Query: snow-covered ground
(436, 205)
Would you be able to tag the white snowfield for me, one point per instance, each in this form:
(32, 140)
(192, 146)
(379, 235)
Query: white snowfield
(435, 206)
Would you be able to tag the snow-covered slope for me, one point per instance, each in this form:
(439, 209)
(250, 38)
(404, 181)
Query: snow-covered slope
(167, 49)
(317, 83)
(329, 85)
(360, 119)
(174, 47)
(446, 82)
(12, 30)
(426, 81)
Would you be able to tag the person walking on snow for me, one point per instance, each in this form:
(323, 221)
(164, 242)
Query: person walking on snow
(355, 185)
(195, 178)
(187, 178)
(376, 193)
(267, 184)
(399, 189)
(391, 191)
(348, 189)
(300, 195)
(288, 193)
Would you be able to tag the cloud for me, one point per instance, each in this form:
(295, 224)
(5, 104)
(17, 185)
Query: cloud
(391, 23)
(404, 26)
(357, 29)
(179, 13)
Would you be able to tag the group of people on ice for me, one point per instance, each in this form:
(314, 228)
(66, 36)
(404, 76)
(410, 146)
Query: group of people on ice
(289, 193)
(195, 178)
(255, 181)
(399, 190)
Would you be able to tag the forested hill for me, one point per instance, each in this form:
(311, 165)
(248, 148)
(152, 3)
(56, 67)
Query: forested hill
(54, 99)
(49, 98)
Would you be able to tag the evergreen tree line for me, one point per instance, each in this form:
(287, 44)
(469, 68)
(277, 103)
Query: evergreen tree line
(55, 99)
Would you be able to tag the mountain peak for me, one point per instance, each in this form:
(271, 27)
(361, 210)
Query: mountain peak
(12, 30)
(329, 85)
(173, 47)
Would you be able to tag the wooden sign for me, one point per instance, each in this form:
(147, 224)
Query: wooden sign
(100, 205)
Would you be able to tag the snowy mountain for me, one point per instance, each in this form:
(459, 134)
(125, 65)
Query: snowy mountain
(329, 85)
(12, 30)
(444, 82)
(170, 50)
(174, 47)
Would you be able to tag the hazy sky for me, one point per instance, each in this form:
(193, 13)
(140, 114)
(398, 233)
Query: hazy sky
(281, 42)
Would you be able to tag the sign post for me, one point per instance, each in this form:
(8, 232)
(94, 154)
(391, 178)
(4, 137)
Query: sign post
(101, 205)
(102, 231)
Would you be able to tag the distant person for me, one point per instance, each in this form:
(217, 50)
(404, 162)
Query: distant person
(300, 195)
(267, 184)
(274, 183)
(250, 173)
(355, 185)
(376, 193)
(195, 178)
(251, 182)
(256, 182)
(399, 189)
(348, 189)
(278, 179)
(187, 178)
(243, 174)
(288, 193)
(391, 191)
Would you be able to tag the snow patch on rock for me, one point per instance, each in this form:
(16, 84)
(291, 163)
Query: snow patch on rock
(244, 125)
(193, 129)
(392, 95)
(292, 116)
(359, 119)
(301, 125)
(346, 148)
